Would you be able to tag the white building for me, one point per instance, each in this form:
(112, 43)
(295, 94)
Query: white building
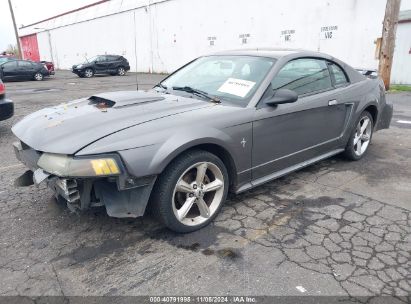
(161, 35)
(401, 69)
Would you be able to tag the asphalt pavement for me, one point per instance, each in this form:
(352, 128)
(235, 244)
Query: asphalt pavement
(336, 228)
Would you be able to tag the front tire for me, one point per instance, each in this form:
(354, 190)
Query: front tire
(88, 73)
(360, 138)
(190, 192)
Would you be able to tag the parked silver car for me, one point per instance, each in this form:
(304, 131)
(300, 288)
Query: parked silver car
(225, 122)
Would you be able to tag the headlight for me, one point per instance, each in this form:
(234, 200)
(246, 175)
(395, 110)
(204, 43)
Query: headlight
(63, 165)
(79, 66)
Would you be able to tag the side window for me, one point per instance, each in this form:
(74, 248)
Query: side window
(101, 59)
(10, 65)
(303, 76)
(339, 75)
(25, 64)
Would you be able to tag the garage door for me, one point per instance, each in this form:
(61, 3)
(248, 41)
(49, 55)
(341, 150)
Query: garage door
(30, 47)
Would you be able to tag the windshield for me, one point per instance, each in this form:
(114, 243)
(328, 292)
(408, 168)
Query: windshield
(230, 78)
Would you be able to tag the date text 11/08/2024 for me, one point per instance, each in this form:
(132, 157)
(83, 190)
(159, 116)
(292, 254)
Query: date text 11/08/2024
(203, 299)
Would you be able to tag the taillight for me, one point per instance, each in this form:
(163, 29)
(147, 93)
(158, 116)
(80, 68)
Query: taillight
(2, 89)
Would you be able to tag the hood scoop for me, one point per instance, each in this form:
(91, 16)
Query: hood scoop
(123, 99)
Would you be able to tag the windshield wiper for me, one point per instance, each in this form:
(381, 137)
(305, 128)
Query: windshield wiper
(198, 93)
(160, 85)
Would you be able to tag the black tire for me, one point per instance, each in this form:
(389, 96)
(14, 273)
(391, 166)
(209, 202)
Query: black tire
(38, 76)
(161, 201)
(88, 73)
(121, 71)
(350, 151)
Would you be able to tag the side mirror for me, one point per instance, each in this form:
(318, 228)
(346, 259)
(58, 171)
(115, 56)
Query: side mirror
(281, 96)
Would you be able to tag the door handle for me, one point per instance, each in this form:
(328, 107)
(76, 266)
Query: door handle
(332, 102)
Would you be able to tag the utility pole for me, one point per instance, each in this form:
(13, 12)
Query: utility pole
(15, 30)
(389, 30)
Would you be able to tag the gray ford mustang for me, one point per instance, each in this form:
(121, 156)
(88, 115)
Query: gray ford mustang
(225, 122)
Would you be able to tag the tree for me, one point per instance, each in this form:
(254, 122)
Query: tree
(13, 49)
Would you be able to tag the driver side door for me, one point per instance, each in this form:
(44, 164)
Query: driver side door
(287, 135)
(101, 64)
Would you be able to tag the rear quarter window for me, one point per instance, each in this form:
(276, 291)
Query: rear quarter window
(340, 78)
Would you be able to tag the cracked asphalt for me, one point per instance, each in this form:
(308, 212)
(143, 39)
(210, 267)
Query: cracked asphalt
(337, 228)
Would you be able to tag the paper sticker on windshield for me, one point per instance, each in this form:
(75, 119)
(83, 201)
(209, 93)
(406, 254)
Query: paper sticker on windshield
(237, 87)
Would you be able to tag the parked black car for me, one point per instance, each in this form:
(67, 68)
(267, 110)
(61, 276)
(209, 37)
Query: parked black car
(102, 64)
(6, 106)
(23, 70)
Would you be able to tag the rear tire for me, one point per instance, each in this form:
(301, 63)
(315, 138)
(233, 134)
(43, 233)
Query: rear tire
(121, 71)
(360, 138)
(38, 77)
(190, 192)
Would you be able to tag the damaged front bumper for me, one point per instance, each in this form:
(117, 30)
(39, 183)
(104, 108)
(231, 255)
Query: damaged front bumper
(122, 195)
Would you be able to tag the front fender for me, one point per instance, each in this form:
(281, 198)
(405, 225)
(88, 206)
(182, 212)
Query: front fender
(182, 142)
(152, 159)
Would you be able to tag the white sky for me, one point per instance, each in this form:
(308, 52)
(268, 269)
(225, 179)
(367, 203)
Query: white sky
(30, 11)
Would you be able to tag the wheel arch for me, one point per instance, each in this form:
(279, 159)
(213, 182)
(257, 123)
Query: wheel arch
(210, 146)
(373, 110)
(221, 153)
(91, 68)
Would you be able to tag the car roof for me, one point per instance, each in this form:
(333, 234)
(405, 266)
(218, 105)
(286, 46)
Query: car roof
(289, 54)
(15, 59)
(272, 52)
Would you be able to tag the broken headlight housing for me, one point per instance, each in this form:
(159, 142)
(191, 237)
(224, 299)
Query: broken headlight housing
(68, 166)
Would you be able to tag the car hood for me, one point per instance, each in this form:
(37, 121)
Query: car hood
(68, 128)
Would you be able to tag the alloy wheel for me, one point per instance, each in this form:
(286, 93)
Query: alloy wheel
(362, 136)
(88, 73)
(198, 193)
(121, 71)
(38, 76)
